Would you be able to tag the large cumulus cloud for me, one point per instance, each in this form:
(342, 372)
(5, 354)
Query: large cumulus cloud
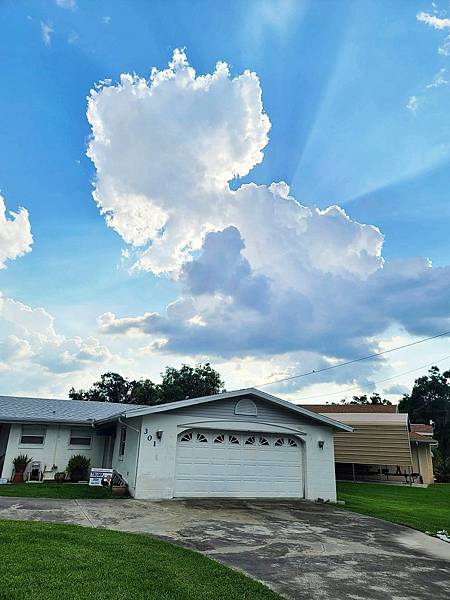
(259, 273)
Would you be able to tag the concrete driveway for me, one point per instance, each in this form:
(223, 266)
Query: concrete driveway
(302, 550)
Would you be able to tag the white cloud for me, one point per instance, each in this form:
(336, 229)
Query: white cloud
(72, 37)
(396, 390)
(413, 104)
(260, 274)
(439, 79)
(67, 4)
(15, 234)
(444, 48)
(433, 21)
(28, 340)
(46, 33)
(29, 333)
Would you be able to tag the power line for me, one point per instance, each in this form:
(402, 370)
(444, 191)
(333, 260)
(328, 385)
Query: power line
(356, 387)
(355, 360)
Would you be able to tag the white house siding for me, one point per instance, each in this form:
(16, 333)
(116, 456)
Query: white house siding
(56, 449)
(126, 464)
(157, 459)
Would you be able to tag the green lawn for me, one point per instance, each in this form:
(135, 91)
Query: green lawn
(426, 509)
(40, 561)
(54, 490)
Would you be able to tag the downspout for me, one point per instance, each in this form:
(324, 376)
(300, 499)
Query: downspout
(138, 431)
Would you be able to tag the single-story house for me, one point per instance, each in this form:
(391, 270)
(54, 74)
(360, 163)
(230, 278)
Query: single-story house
(235, 444)
(383, 446)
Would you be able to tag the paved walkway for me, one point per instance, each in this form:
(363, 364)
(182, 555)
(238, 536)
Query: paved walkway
(302, 550)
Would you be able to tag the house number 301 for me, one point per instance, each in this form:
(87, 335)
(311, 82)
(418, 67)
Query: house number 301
(149, 435)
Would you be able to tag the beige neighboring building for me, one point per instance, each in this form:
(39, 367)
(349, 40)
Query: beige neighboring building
(383, 446)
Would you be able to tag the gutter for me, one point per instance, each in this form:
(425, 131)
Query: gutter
(12, 420)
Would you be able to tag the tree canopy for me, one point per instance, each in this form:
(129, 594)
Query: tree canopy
(373, 399)
(428, 401)
(176, 384)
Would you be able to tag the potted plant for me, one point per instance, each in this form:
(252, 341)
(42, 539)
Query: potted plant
(20, 464)
(78, 468)
(60, 476)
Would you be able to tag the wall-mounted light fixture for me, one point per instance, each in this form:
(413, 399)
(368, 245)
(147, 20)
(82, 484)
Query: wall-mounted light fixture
(159, 434)
(321, 444)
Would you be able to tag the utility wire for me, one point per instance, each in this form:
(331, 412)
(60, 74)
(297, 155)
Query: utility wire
(355, 360)
(357, 387)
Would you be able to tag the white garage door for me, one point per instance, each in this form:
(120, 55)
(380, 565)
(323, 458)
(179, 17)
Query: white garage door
(240, 465)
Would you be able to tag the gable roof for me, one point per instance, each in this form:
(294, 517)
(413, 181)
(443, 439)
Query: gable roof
(19, 409)
(244, 393)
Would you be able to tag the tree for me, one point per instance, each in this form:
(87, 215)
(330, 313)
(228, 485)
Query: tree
(176, 384)
(144, 391)
(112, 387)
(373, 399)
(430, 401)
(189, 382)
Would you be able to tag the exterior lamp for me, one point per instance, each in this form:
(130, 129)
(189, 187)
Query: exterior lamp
(321, 444)
(159, 434)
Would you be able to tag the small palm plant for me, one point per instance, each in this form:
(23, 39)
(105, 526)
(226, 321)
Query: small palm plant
(78, 467)
(20, 464)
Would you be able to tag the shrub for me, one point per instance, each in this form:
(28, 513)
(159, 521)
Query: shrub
(78, 467)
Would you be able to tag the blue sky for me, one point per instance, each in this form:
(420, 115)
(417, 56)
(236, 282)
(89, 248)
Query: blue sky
(357, 97)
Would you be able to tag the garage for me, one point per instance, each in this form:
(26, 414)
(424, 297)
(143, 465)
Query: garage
(238, 464)
(238, 444)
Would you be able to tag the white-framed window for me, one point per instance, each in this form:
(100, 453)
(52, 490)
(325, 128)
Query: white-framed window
(122, 441)
(80, 436)
(33, 435)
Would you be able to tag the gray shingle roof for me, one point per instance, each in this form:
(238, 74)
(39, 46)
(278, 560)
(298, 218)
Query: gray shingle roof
(13, 408)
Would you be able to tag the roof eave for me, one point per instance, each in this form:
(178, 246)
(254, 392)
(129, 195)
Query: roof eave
(14, 420)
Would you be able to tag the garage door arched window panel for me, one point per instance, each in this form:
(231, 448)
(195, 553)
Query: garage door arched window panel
(263, 441)
(250, 441)
(219, 439)
(186, 437)
(201, 438)
(279, 442)
(292, 443)
(232, 439)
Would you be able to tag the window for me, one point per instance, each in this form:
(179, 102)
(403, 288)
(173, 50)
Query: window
(263, 441)
(279, 442)
(33, 434)
(186, 437)
(80, 436)
(219, 439)
(292, 443)
(201, 438)
(123, 441)
(246, 407)
(232, 439)
(251, 441)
